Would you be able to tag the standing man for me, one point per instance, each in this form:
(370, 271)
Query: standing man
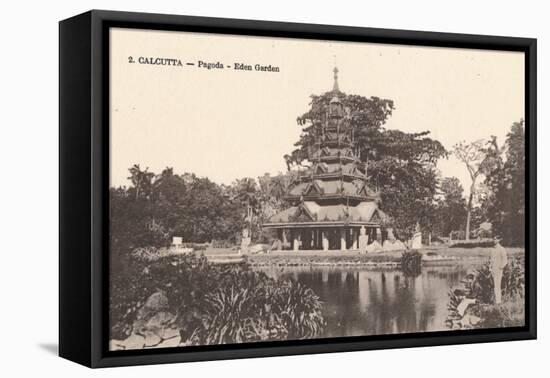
(499, 259)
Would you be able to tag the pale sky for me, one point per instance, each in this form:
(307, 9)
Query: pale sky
(227, 124)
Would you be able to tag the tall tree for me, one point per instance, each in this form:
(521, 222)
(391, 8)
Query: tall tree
(515, 169)
(156, 207)
(476, 157)
(505, 204)
(451, 207)
(142, 181)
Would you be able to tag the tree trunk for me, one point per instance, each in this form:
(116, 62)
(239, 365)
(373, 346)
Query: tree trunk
(469, 214)
(137, 188)
(249, 216)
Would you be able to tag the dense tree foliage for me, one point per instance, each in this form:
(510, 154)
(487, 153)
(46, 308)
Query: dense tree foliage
(451, 207)
(504, 203)
(402, 166)
(156, 207)
(261, 198)
(500, 198)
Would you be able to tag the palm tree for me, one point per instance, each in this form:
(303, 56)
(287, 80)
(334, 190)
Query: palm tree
(247, 192)
(142, 180)
(279, 187)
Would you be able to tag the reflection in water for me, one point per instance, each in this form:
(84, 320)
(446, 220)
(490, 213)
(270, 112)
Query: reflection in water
(360, 302)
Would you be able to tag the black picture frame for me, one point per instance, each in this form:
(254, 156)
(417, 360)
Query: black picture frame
(83, 180)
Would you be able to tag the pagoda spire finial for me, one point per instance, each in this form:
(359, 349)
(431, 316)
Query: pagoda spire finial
(335, 87)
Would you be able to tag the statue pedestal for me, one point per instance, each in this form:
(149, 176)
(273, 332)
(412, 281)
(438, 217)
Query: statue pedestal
(363, 240)
(391, 236)
(374, 247)
(379, 235)
(416, 241)
(363, 243)
(395, 245)
(245, 244)
(325, 243)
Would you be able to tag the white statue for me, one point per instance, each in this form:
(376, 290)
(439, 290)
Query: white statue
(245, 241)
(325, 242)
(416, 241)
(363, 240)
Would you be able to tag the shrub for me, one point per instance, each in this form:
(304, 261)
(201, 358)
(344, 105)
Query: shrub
(474, 243)
(411, 263)
(222, 243)
(299, 308)
(510, 313)
(215, 304)
(458, 235)
(478, 286)
(196, 246)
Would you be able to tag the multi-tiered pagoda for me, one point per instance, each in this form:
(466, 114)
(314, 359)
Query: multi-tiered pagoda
(331, 204)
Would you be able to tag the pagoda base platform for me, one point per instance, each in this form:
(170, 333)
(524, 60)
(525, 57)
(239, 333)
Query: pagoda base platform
(342, 238)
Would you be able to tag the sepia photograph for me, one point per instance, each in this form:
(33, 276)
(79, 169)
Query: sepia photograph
(270, 189)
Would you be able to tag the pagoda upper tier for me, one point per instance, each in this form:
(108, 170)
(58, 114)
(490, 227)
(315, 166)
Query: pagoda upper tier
(336, 172)
(334, 191)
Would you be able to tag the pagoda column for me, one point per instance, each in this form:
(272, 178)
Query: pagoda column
(355, 237)
(379, 235)
(342, 239)
(372, 234)
(308, 239)
(317, 241)
(314, 238)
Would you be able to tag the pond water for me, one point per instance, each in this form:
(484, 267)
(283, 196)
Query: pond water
(360, 301)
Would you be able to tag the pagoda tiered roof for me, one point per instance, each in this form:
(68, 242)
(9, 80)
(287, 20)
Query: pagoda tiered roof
(334, 139)
(322, 188)
(324, 170)
(312, 214)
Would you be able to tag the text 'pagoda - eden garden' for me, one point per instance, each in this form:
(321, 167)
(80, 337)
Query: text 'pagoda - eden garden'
(331, 206)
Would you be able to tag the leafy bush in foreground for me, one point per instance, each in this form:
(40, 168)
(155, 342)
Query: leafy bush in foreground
(478, 287)
(214, 304)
